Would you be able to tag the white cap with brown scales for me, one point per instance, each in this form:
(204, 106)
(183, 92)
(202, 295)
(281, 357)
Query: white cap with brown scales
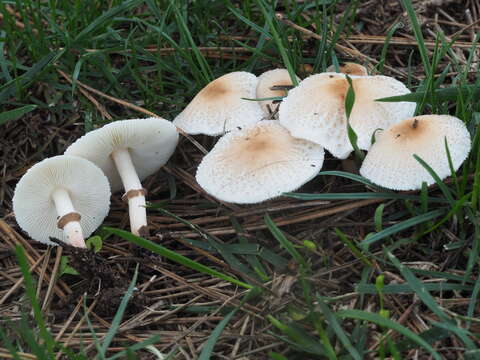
(128, 151)
(64, 197)
(269, 79)
(390, 162)
(315, 110)
(219, 106)
(258, 163)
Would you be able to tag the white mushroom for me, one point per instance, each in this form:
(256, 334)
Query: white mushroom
(269, 79)
(128, 151)
(315, 110)
(64, 197)
(257, 163)
(219, 106)
(390, 162)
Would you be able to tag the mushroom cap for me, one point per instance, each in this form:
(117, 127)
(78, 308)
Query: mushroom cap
(150, 142)
(266, 81)
(33, 204)
(350, 68)
(390, 162)
(219, 106)
(315, 110)
(257, 163)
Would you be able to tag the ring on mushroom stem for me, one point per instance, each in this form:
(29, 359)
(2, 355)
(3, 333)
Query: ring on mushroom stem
(128, 151)
(64, 197)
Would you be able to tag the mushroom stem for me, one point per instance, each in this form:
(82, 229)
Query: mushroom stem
(64, 206)
(131, 182)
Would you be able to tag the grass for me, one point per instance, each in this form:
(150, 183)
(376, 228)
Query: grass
(340, 269)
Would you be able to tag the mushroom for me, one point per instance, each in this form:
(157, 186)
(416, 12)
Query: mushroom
(350, 68)
(273, 78)
(128, 151)
(257, 163)
(220, 106)
(315, 110)
(63, 197)
(390, 162)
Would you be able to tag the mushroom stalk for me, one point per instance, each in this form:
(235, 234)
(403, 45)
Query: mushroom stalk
(71, 227)
(133, 190)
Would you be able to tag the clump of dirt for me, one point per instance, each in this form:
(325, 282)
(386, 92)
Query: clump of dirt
(104, 281)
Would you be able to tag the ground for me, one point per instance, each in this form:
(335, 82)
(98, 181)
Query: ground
(321, 294)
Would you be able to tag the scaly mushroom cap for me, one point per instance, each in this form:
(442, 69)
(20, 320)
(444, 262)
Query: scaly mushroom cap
(266, 81)
(390, 162)
(150, 143)
(350, 68)
(85, 183)
(219, 106)
(257, 163)
(315, 110)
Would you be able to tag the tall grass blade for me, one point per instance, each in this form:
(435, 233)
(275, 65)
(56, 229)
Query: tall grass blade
(171, 255)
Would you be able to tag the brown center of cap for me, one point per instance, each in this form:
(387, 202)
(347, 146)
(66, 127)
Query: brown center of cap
(65, 219)
(133, 193)
(214, 89)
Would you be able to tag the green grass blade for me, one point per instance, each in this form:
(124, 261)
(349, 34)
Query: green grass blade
(354, 177)
(424, 295)
(337, 328)
(444, 94)
(102, 20)
(445, 189)
(282, 239)
(407, 289)
(171, 255)
(299, 338)
(137, 346)
(8, 344)
(207, 350)
(365, 195)
(31, 294)
(352, 247)
(382, 321)
(269, 16)
(119, 315)
(407, 4)
(15, 113)
(410, 223)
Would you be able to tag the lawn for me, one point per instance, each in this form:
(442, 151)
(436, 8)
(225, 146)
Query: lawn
(340, 269)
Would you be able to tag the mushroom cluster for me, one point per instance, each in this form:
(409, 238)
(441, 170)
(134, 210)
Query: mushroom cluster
(270, 146)
(68, 196)
(274, 136)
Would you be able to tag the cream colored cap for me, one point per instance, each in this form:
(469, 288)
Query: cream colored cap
(315, 110)
(257, 163)
(350, 68)
(390, 162)
(276, 77)
(219, 106)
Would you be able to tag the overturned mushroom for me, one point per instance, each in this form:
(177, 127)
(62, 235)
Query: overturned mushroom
(390, 162)
(273, 83)
(315, 110)
(220, 106)
(64, 197)
(128, 151)
(258, 163)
